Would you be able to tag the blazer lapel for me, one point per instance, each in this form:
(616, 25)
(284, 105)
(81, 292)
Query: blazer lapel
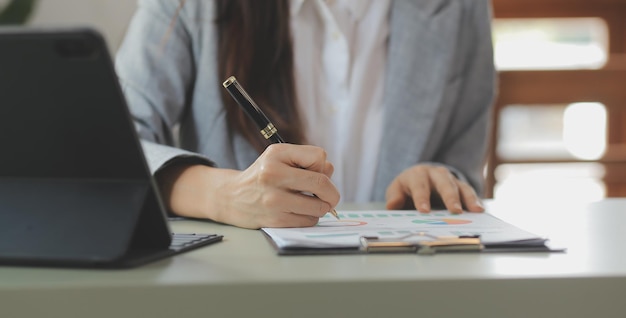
(421, 46)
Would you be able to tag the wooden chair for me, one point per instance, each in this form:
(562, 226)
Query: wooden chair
(606, 85)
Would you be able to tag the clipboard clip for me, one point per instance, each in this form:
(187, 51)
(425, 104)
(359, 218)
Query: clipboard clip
(421, 243)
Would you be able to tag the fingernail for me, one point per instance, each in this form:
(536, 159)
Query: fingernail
(457, 207)
(425, 207)
(480, 204)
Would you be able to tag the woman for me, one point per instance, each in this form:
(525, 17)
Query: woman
(379, 100)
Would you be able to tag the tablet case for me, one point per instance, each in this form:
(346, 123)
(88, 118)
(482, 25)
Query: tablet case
(75, 189)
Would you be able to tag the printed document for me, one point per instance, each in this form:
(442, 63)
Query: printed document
(411, 225)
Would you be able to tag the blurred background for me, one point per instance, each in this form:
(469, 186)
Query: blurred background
(558, 128)
(558, 121)
(111, 17)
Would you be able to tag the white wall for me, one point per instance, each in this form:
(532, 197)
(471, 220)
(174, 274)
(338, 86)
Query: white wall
(110, 17)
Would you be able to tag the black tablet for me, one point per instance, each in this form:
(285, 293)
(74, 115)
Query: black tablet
(75, 189)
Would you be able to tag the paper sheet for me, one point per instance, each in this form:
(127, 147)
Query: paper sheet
(332, 233)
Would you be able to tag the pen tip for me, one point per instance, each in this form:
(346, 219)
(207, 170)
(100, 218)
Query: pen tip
(334, 213)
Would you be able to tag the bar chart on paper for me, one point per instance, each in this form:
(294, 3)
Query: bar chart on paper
(346, 232)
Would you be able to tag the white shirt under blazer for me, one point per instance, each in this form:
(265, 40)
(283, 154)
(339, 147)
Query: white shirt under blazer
(340, 51)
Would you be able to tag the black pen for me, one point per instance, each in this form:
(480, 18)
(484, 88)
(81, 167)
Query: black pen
(267, 129)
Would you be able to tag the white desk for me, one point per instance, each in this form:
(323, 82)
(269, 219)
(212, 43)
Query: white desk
(243, 277)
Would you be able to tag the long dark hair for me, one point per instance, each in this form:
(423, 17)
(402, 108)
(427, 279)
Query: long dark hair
(254, 45)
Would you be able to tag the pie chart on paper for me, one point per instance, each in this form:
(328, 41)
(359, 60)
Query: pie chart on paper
(442, 221)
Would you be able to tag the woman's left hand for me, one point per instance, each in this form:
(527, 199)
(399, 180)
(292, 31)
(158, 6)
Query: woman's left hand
(414, 186)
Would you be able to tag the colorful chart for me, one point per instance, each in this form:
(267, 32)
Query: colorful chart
(336, 223)
(442, 221)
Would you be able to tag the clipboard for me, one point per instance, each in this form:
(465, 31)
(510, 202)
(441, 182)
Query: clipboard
(384, 232)
(430, 246)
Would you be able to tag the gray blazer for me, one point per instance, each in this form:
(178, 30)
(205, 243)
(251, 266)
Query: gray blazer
(438, 90)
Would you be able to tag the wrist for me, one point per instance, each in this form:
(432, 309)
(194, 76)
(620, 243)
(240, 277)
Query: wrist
(192, 190)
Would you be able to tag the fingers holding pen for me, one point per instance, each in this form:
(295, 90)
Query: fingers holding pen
(300, 169)
(283, 171)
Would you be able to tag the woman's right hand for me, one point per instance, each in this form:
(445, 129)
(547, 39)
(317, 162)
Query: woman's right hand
(269, 193)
